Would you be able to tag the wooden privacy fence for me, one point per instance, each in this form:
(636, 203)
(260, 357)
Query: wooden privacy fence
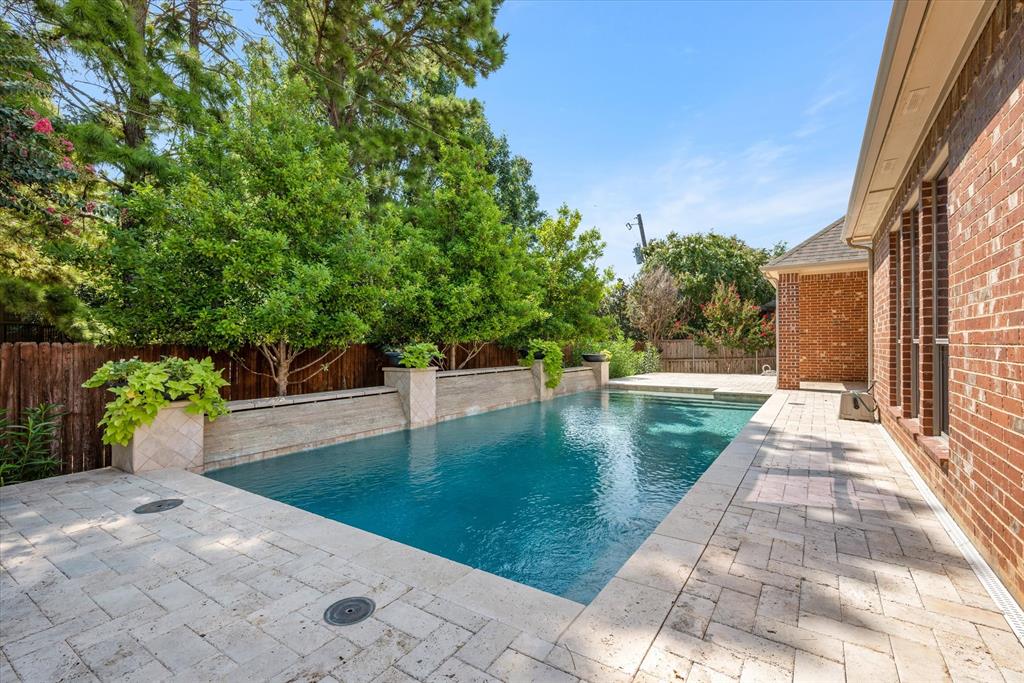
(32, 373)
(686, 355)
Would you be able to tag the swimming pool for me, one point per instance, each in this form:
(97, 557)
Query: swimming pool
(556, 495)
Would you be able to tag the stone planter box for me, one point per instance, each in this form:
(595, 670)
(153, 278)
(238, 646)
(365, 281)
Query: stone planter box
(174, 439)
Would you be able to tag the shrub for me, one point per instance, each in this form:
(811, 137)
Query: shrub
(26, 448)
(419, 355)
(552, 358)
(142, 388)
(625, 361)
(735, 324)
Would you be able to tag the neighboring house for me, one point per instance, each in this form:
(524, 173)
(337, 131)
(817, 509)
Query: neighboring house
(821, 310)
(939, 198)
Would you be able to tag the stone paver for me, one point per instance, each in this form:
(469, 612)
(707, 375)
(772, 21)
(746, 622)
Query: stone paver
(805, 553)
(722, 386)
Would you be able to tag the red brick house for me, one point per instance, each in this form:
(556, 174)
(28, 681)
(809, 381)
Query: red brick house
(821, 310)
(938, 197)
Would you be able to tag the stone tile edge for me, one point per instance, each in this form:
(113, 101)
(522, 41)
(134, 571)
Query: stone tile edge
(738, 454)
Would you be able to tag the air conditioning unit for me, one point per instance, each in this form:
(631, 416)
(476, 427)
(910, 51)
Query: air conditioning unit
(857, 405)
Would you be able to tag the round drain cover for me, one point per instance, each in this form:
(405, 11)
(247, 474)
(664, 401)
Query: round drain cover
(159, 506)
(349, 611)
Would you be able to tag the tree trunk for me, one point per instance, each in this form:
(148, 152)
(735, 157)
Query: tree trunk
(137, 108)
(279, 357)
(281, 376)
(193, 24)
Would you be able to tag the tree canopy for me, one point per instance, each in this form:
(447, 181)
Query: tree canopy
(261, 242)
(464, 277)
(701, 261)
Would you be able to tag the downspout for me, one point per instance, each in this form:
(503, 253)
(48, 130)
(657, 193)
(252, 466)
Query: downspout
(871, 305)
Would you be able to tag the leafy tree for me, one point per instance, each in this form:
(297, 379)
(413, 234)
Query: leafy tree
(262, 243)
(466, 278)
(386, 71)
(702, 261)
(653, 303)
(734, 324)
(572, 283)
(513, 178)
(133, 72)
(615, 306)
(47, 200)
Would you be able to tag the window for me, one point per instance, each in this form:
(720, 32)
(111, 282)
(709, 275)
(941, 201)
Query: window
(896, 344)
(940, 275)
(915, 295)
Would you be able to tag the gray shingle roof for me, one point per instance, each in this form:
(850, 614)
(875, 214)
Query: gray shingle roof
(825, 246)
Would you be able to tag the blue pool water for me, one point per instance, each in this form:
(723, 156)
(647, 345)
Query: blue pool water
(556, 495)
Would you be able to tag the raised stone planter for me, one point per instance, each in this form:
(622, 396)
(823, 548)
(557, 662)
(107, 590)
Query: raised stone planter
(600, 369)
(539, 379)
(174, 439)
(417, 388)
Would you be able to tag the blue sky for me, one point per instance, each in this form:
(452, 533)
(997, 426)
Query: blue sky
(741, 117)
(744, 118)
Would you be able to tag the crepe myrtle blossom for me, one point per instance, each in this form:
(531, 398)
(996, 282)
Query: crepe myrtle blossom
(43, 126)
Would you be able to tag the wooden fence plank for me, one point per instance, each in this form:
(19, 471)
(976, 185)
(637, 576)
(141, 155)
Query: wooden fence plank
(685, 355)
(31, 373)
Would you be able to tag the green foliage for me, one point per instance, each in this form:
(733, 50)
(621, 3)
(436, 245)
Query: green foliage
(624, 360)
(463, 276)
(701, 261)
(550, 353)
(141, 388)
(514, 191)
(143, 71)
(735, 324)
(572, 283)
(263, 241)
(376, 66)
(419, 355)
(26, 449)
(615, 308)
(48, 201)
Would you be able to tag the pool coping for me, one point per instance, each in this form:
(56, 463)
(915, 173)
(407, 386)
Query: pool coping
(621, 623)
(614, 630)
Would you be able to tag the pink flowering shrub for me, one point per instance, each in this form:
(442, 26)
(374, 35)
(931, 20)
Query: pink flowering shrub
(735, 324)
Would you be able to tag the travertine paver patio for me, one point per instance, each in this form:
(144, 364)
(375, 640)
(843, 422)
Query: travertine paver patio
(722, 386)
(804, 552)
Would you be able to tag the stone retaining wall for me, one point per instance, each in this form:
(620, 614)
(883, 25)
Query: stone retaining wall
(262, 428)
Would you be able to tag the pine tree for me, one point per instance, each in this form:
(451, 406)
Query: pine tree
(386, 72)
(134, 74)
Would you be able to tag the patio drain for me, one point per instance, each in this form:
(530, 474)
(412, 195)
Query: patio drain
(159, 506)
(349, 611)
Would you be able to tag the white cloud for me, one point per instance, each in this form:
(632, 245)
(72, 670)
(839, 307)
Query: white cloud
(764, 194)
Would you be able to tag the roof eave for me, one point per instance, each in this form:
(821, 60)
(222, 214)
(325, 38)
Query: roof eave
(850, 265)
(925, 48)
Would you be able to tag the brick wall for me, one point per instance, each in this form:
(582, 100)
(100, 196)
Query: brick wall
(979, 472)
(787, 317)
(834, 327)
(823, 328)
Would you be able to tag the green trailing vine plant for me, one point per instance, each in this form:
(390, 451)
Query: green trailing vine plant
(26, 447)
(419, 355)
(142, 388)
(551, 354)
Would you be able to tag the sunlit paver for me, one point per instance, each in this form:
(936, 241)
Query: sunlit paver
(804, 553)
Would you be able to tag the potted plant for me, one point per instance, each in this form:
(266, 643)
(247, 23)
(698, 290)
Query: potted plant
(419, 355)
(549, 352)
(393, 356)
(142, 388)
(597, 357)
